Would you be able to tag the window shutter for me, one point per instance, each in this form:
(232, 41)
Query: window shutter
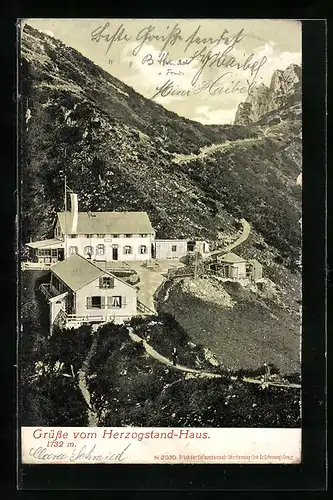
(124, 250)
(123, 302)
(101, 282)
(102, 302)
(112, 282)
(88, 302)
(109, 302)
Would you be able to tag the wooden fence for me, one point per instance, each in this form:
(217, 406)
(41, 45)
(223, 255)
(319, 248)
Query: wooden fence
(145, 309)
(34, 266)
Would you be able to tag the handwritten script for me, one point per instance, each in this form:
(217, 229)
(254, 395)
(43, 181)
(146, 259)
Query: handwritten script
(197, 52)
(83, 453)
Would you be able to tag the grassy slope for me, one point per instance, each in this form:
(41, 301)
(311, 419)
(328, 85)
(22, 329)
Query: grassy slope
(254, 331)
(131, 388)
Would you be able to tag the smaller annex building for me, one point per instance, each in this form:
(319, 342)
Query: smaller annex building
(175, 249)
(233, 267)
(80, 292)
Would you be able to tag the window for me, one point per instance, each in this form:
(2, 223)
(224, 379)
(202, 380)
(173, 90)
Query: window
(234, 271)
(127, 249)
(73, 235)
(100, 235)
(226, 271)
(115, 235)
(88, 250)
(89, 235)
(95, 302)
(115, 301)
(191, 246)
(143, 249)
(44, 253)
(100, 249)
(106, 282)
(174, 248)
(128, 235)
(54, 252)
(143, 235)
(73, 250)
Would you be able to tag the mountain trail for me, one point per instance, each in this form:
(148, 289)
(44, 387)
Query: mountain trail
(243, 237)
(162, 359)
(201, 373)
(205, 151)
(92, 415)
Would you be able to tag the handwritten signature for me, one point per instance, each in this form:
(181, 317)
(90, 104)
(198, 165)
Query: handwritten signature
(221, 85)
(164, 60)
(218, 59)
(85, 453)
(210, 60)
(203, 55)
(148, 34)
(101, 34)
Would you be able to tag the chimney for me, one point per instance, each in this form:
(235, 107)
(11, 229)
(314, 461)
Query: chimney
(74, 211)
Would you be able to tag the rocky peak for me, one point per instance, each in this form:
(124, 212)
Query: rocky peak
(295, 71)
(284, 89)
(277, 81)
(284, 81)
(258, 93)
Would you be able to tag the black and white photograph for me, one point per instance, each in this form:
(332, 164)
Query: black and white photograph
(160, 238)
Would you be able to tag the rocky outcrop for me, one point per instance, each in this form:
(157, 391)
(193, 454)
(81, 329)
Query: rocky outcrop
(284, 90)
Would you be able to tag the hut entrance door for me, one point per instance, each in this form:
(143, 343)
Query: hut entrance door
(115, 253)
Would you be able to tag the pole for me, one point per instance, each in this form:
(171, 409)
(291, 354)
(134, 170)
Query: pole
(196, 265)
(65, 235)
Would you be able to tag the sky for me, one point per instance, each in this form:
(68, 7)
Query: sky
(199, 68)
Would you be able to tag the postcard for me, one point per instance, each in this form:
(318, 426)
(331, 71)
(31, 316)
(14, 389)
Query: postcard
(160, 241)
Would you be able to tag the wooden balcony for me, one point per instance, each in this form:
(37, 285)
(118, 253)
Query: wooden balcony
(72, 320)
(48, 290)
(81, 318)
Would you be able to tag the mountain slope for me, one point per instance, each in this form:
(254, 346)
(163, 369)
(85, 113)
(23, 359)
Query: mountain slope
(118, 150)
